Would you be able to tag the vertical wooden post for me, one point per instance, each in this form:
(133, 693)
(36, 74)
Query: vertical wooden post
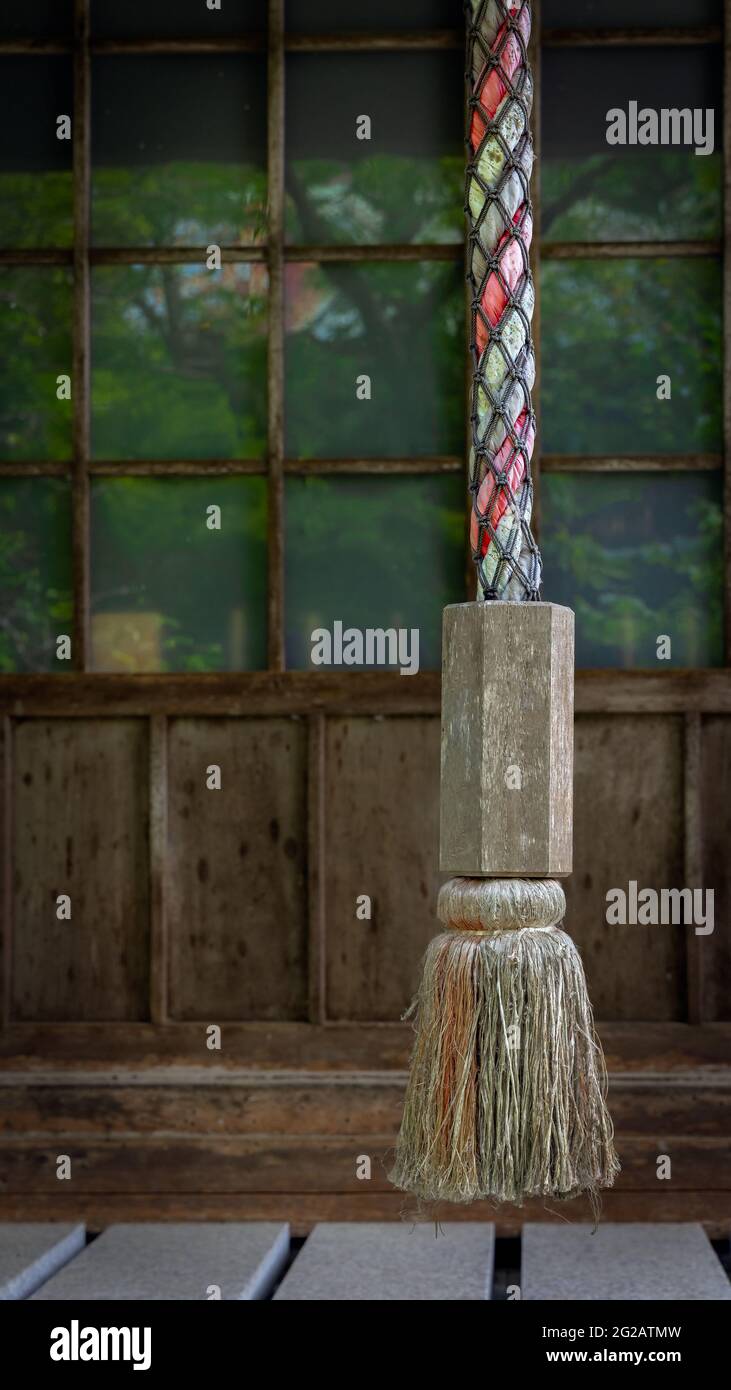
(6, 853)
(275, 351)
(695, 946)
(507, 740)
(727, 320)
(316, 867)
(81, 141)
(158, 811)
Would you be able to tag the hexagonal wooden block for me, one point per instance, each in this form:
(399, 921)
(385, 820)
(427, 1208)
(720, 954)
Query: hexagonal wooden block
(507, 739)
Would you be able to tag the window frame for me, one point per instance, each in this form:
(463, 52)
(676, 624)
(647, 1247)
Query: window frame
(81, 257)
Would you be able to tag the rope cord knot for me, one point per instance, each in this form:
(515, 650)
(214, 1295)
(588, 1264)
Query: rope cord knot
(489, 905)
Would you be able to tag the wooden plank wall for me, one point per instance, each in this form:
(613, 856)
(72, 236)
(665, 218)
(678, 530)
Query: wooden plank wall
(236, 1137)
(80, 828)
(193, 906)
(235, 889)
(236, 865)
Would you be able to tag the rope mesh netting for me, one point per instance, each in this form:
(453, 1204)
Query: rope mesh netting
(500, 225)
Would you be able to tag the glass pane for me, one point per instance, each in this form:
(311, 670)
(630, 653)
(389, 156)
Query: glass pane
(132, 19)
(35, 349)
(396, 331)
(373, 552)
(610, 330)
(35, 165)
(621, 14)
(35, 572)
(406, 182)
(179, 362)
(333, 17)
(638, 557)
(169, 591)
(46, 19)
(593, 191)
(184, 163)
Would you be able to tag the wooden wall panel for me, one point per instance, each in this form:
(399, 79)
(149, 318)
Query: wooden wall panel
(628, 824)
(303, 1209)
(715, 950)
(382, 839)
(270, 1163)
(309, 1105)
(329, 1051)
(80, 828)
(236, 886)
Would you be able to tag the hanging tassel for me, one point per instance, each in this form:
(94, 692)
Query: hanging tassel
(506, 1098)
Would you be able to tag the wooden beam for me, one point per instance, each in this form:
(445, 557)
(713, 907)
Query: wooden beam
(140, 1164)
(443, 463)
(36, 255)
(245, 43)
(316, 840)
(190, 1101)
(158, 794)
(80, 384)
(626, 250)
(234, 694)
(34, 468)
(350, 254)
(238, 694)
(373, 42)
(173, 255)
(334, 467)
(195, 255)
(303, 1210)
(6, 870)
(303, 468)
(33, 46)
(727, 328)
(425, 40)
(632, 38)
(641, 463)
(288, 1049)
(325, 467)
(385, 251)
(695, 947)
(275, 340)
(706, 691)
(406, 41)
(176, 468)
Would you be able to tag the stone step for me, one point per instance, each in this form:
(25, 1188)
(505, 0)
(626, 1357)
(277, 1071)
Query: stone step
(661, 1261)
(176, 1261)
(376, 1261)
(31, 1252)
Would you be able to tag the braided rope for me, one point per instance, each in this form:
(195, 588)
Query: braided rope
(500, 225)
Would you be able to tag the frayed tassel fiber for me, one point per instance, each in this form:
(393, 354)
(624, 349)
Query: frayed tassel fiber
(506, 1097)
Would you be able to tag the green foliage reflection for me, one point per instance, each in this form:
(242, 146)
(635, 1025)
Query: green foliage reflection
(168, 592)
(610, 328)
(636, 557)
(35, 572)
(179, 357)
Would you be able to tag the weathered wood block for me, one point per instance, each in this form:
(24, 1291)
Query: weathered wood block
(507, 739)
